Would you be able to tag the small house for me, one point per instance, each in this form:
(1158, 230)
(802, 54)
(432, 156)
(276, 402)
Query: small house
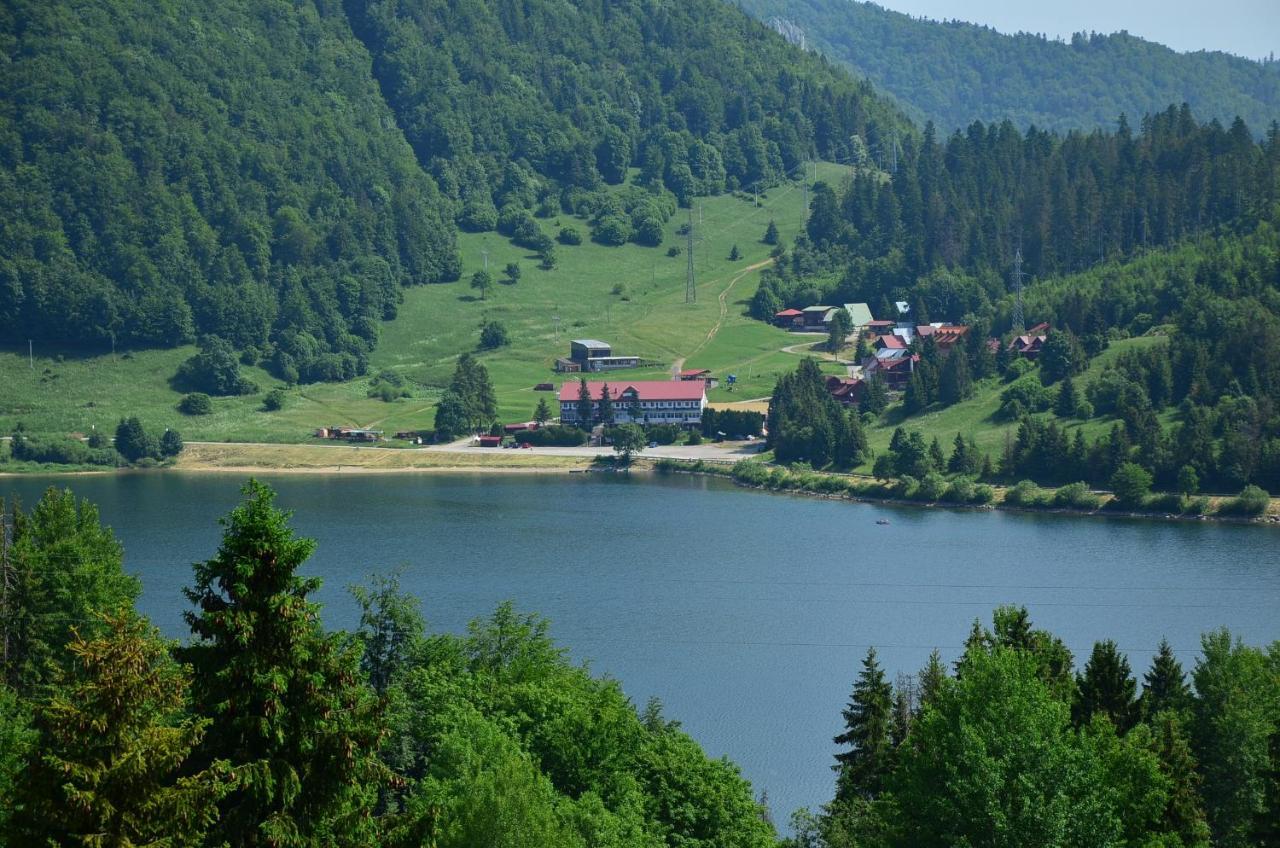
(595, 355)
(817, 317)
(846, 390)
(489, 441)
(789, 318)
(1027, 345)
(859, 315)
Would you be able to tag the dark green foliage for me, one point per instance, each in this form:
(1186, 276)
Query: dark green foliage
(1061, 357)
(60, 450)
(627, 440)
(1164, 686)
(391, 629)
(1252, 501)
(734, 254)
(231, 178)
(604, 408)
(469, 404)
(114, 745)
(569, 236)
(770, 233)
(493, 334)
(482, 281)
(511, 273)
(17, 739)
(867, 718)
(61, 567)
(952, 73)
(838, 333)
(733, 423)
(195, 403)
(875, 397)
(807, 425)
(555, 436)
(273, 401)
(1068, 401)
(954, 382)
(288, 711)
(585, 406)
(171, 444)
(215, 370)
(1106, 688)
(542, 412)
(133, 442)
(1131, 484)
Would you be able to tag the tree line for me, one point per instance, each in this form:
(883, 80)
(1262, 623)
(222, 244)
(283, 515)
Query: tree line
(265, 728)
(1014, 746)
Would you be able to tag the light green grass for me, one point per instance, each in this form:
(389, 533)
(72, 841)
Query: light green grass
(975, 417)
(70, 391)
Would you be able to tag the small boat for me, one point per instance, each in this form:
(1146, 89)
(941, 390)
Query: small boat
(882, 521)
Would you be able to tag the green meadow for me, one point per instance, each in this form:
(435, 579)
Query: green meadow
(630, 296)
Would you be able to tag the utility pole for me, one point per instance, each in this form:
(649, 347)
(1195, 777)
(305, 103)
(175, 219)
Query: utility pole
(804, 203)
(699, 212)
(556, 319)
(690, 291)
(484, 253)
(1019, 320)
(31, 356)
(6, 586)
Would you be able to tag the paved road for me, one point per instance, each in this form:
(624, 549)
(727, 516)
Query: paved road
(711, 452)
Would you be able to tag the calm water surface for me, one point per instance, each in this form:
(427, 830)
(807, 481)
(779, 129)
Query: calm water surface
(746, 613)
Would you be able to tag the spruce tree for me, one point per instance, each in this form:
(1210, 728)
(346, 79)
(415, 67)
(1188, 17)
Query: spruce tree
(1183, 811)
(1165, 684)
(1066, 403)
(111, 767)
(1106, 687)
(868, 722)
(932, 678)
(586, 413)
(955, 384)
(936, 458)
(289, 711)
(542, 413)
(770, 233)
(875, 397)
(606, 406)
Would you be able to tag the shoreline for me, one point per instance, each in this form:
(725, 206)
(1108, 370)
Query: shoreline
(261, 459)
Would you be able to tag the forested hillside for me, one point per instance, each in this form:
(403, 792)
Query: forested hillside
(248, 170)
(952, 73)
(192, 168)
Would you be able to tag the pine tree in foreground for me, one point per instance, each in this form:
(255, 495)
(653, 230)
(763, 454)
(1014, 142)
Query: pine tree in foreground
(113, 741)
(289, 710)
(868, 721)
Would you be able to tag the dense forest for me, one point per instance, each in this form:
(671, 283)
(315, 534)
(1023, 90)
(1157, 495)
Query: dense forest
(1016, 747)
(273, 174)
(952, 73)
(266, 729)
(945, 227)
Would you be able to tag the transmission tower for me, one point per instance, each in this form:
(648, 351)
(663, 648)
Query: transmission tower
(1019, 320)
(690, 290)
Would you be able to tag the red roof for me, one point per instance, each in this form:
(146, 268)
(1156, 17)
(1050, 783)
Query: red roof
(894, 364)
(882, 322)
(788, 313)
(695, 372)
(891, 342)
(644, 389)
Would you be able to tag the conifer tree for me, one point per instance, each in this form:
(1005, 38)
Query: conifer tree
(1183, 811)
(916, 397)
(288, 709)
(542, 413)
(111, 763)
(606, 406)
(1106, 687)
(931, 678)
(1165, 683)
(586, 412)
(955, 384)
(1067, 401)
(936, 458)
(875, 397)
(868, 723)
(770, 233)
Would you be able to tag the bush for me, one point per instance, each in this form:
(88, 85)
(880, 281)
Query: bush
(663, 434)
(906, 487)
(274, 400)
(694, 438)
(1131, 484)
(214, 370)
(1174, 502)
(389, 386)
(983, 494)
(569, 236)
(1018, 368)
(493, 334)
(932, 487)
(59, 450)
(554, 436)
(1026, 394)
(1027, 494)
(1198, 506)
(960, 491)
(1076, 496)
(196, 403)
(1252, 501)
(674, 250)
(612, 230)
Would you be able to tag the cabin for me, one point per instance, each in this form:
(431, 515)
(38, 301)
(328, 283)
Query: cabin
(789, 319)
(1027, 345)
(593, 355)
(895, 371)
(859, 316)
(945, 336)
(489, 441)
(350, 434)
(679, 402)
(817, 317)
(846, 390)
(703, 374)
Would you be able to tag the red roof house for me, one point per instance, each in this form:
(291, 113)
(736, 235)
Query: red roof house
(640, 401)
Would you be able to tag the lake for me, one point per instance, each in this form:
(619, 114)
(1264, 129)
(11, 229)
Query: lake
(747, 613)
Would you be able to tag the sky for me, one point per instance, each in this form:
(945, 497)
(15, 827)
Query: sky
(1245, 27)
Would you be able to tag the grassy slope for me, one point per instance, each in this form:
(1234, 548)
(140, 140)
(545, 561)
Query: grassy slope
(438, 322)
(975, 416)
